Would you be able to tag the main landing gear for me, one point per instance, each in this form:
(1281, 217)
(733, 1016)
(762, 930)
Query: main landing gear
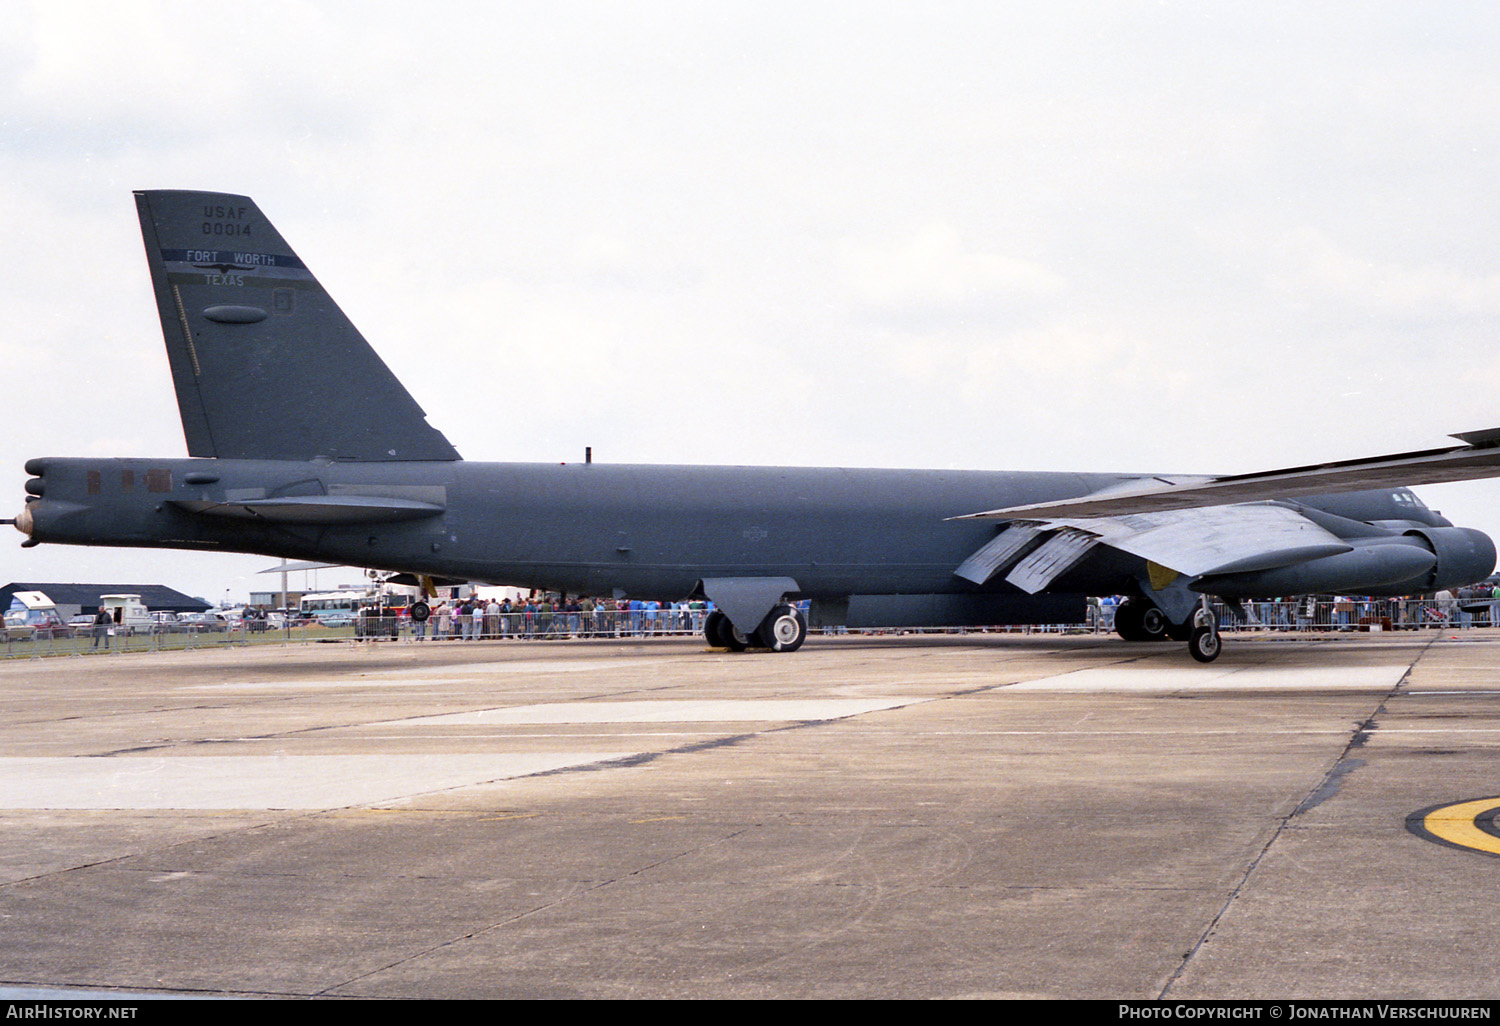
(783, 630)
(1138, 619)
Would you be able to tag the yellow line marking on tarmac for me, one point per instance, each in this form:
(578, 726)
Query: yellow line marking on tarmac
(1458, 824)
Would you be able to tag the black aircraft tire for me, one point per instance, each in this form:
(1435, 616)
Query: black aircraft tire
(720, 633)
(1154, 624)
(1136, 619)
(1204, 645)
(783, 629)
(733, 639)
(711, 624)
(420, 611)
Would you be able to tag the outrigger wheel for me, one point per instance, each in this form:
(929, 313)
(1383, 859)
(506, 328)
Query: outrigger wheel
(1203, 643)
(420, 611)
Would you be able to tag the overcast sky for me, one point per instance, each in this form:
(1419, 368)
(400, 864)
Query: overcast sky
(1207, 237)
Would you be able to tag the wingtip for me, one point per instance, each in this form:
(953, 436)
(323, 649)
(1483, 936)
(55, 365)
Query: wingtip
(1480, 439)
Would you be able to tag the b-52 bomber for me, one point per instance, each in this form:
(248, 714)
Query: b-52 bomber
(304, 445)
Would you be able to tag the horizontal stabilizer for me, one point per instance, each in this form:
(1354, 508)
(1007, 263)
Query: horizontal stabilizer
(422, 580)
(316, 509)
(404, 579)
(291, 568)
(1479, 459)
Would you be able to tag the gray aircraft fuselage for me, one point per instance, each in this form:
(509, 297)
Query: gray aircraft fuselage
(581, 527)
(596, 528)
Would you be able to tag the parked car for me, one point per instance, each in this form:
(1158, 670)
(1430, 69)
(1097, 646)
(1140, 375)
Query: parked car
(35, 624)
(202, 622)
(167, 623)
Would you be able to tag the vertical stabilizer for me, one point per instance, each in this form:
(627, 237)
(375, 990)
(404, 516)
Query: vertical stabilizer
(265, 364)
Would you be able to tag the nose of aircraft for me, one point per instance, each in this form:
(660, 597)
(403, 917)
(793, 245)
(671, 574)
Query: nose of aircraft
(23, 522)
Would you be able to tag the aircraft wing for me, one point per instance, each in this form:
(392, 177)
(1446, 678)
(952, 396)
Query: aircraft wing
(1191, 542)
(1479, 457)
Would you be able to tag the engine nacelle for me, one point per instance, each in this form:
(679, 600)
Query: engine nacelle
(1370, 567)
(1423, 559)
(1464, 556)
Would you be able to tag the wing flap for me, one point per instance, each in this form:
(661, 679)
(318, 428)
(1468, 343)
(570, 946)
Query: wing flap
(1000, 551)
(1209, 540)
(1060, 553)
(1190, 542)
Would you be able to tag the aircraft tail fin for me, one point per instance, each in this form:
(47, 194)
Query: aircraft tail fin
(265, 364)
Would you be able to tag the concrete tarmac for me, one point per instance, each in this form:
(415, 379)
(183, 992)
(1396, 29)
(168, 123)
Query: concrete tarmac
(917, 816)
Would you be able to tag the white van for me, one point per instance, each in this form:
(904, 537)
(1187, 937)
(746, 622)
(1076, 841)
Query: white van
(128, 612)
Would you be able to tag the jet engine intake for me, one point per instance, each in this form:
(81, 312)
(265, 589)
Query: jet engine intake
(1464, 556)
(1423, 559)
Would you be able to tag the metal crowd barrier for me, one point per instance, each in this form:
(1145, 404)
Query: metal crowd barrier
(600, 623)
(1325, 614)
(45, 641)
(1316, 614)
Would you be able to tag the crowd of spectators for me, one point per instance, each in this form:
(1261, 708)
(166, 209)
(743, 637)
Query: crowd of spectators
(551, 616)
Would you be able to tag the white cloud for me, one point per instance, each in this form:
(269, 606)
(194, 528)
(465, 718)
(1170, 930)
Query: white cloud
(1320, 270)
(934, 267)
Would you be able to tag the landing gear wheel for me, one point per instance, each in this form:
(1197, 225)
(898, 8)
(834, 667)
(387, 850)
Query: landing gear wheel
(734, 640)
(711, 625)
(420, 611)
(783, 630)
(1204, 644)
(1139, 620)
(720, 633)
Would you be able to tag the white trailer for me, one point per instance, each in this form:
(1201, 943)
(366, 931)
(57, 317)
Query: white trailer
(128, 612)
